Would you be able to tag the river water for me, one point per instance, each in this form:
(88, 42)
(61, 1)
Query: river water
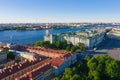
(28, 37)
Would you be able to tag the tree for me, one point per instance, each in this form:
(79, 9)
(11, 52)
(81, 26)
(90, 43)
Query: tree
(68, 71)
(100, 68)
(58, 44)
(38, 44)
(64, 44)
(73, 49)
(78, 51)
(68, 48)
(87, 58)
(92, 64)
(75, 77)
(113, 70)
(56, 78)
(96, 75)
(81, 47)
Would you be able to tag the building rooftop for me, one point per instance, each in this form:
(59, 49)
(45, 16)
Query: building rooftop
(18, 66)
(27, 53)
(36, 72)
(115, 30)
(57, 62)
(42, 50)
(84, 34)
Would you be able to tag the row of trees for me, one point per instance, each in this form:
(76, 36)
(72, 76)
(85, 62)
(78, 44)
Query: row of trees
(99, 68)
(61, 45)
(60, 26)
(14, 28)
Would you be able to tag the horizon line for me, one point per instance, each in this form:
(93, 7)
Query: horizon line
(49, 22)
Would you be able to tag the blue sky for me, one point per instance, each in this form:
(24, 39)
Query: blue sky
(15, 11)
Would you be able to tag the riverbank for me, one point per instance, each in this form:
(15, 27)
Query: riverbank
(28, 37)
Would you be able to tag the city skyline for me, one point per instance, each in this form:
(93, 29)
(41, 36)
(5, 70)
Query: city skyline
(55, 11)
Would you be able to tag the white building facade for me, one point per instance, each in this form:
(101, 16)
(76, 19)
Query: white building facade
(90, 38)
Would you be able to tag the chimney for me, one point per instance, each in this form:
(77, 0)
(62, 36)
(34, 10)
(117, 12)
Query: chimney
(11, 67)
(8, 66)
(18, 67)
(20, 64)
(15, 63)
(10, 70)
(40, 59)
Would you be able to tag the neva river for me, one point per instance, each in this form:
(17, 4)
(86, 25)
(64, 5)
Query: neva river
(28, 37)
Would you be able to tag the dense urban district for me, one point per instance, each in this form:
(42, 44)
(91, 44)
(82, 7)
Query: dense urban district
(91, 54)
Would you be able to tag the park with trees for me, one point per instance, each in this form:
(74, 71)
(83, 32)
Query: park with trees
(61, 45)
(93, 68)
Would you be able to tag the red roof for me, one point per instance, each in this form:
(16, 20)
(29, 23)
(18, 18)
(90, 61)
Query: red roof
(57, 62)
(35, 73)
(25, 78)
(19, 67)
(68, 55)
(50, 51)
(40, 71)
